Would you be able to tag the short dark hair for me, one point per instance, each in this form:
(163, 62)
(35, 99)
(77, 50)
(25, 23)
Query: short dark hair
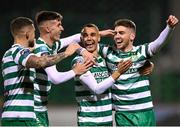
(47, 15)
(125, 22)
(18, 23)
(90, 25)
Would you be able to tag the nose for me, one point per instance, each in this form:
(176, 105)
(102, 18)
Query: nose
(117, 35)
(62, 29)
(88, 37)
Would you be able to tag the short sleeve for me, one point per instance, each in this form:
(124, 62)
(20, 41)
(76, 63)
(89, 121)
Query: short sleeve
(21, 55)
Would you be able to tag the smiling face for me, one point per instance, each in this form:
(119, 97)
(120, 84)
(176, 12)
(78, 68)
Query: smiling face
(90, 38)
(123, 38)
(125, 32)
(50, 26)
(55, 29)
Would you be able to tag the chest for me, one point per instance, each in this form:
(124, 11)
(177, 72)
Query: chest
(100, 71)
(138, 59)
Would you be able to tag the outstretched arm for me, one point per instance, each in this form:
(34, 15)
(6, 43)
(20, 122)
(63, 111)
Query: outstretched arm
(155, 46)
(89, 80)
(71, 39)
(49, 60)
(57, 77)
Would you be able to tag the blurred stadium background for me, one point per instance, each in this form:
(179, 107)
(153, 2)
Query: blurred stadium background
(150, 17)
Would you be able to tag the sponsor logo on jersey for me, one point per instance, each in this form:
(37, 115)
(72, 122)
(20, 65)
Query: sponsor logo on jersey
(101, 74)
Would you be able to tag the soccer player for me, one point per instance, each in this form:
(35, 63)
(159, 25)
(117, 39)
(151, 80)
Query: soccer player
(94, 109)
(50, 27)
(131, 95)
(18, 74)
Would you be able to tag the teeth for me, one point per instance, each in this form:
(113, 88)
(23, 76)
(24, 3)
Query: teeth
(89, 44)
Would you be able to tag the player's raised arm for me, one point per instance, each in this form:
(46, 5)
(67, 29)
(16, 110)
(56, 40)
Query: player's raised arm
(172, 21)
(156, 45)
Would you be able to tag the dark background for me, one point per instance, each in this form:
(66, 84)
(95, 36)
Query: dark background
(150, 17)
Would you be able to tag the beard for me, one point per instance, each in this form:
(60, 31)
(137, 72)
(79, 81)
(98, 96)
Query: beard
(31, 43)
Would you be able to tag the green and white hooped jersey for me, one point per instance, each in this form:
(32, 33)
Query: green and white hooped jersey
(93, 109)
(131, 92)
(18, 85)
(42, 86)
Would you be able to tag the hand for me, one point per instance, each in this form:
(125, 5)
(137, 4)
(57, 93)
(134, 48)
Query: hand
(124, 66)
(88, 56)
(71, 49)
(107, 33)
(81, 68)
(147, 68)
(172, 21)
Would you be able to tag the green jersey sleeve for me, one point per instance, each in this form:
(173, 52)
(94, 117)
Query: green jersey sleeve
(21, 55)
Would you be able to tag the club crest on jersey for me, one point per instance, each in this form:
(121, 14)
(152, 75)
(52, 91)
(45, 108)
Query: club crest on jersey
(134, 58)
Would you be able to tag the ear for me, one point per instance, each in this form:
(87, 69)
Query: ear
(132, 36)
(47, 29)
(46, 26)
(27, 35)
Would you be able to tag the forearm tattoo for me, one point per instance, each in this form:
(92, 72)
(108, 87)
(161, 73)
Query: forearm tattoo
(45, 61)
(50, 60)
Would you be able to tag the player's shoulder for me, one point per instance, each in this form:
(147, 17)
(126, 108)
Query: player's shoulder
(15, 49)
(8, 52)
(40, 48)
(141, 45)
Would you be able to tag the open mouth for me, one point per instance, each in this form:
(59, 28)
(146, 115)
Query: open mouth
(119, 42)
(89, 45)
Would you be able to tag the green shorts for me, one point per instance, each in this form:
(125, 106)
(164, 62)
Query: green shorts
(42, 119)
(140, 118)
(18, 123)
